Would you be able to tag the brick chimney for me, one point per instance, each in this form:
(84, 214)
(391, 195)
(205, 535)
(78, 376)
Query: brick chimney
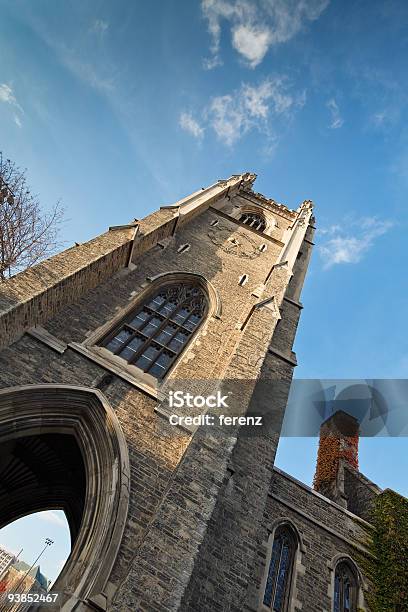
(338, 446)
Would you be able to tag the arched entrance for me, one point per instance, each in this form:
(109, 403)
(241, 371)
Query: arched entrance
(62, 447)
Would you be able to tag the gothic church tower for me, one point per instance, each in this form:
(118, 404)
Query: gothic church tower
(163, 517)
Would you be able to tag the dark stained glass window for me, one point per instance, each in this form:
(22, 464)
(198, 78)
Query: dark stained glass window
(253, 220)
(280, 571)
(345, 589)
(153, 335)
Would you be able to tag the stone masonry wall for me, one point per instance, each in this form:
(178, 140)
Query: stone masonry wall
(327, 532)
(225, 574)
(359, 492)
(183, 536)
(35, 295)
(75, 322)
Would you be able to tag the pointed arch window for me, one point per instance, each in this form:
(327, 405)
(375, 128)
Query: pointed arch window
(278, 582)
(153, 335)
(345, 588)
(253, 220)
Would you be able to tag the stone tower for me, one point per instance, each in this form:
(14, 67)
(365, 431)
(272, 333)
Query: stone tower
(198, 294)
(339, 438)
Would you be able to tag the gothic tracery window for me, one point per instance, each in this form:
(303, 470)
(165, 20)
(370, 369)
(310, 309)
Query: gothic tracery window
(154, 334)
(253, 220)
(345, 588)
(276, 596)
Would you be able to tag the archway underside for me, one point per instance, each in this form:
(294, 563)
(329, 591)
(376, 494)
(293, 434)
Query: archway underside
(43, 471)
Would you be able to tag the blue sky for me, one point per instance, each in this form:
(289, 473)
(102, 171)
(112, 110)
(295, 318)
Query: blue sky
(118, 108)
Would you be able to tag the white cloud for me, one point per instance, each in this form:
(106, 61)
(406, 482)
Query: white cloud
(8, 97)
(211, 62)
(228, 118)
(271, 92)
(214, 11)
(232, 116)
(344, 247)
(52, 517)
(256, 25)
(99, 26)
(6, 94)
(190, 125)
(336, 119)
(250, 107)
(251, 42)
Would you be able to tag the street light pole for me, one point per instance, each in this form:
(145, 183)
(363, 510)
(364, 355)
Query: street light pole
(48, 542)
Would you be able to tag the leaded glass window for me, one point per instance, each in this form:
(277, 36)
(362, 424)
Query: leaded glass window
(253, 220)
(280, 570)
(345, 588)
(154, 334)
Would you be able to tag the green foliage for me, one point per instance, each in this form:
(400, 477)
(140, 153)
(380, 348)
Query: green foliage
(388, 572)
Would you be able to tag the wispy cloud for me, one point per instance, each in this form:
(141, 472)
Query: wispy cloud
(349, 242)
(256, 25)
(232, 115)
(7, 96)
(87, 72)
(336, 118)
(382, 93)
(379, 118)
(52, 517)
(191, 125)
(99, 26)
(80, 57)
(388, 117)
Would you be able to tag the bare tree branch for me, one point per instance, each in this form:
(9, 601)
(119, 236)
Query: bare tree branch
(27, 233)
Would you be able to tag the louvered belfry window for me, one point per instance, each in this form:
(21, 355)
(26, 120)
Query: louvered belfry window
(155, 333)
(277, 589)
(253, 220)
